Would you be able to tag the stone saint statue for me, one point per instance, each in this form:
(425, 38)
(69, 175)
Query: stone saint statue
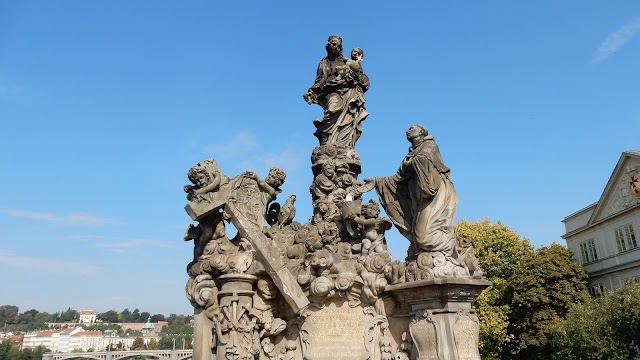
(420, 198)
(339, 88)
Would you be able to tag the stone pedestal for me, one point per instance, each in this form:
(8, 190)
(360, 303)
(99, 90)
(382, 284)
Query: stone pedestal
(335, 332)
(202, 340)
(444, 325)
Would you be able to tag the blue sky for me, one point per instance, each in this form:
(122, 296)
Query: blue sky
(104, 106)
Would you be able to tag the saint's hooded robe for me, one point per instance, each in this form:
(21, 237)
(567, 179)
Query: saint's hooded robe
(420, 199)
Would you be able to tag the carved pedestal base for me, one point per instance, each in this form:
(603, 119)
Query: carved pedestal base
(335, 332)
(444, 325)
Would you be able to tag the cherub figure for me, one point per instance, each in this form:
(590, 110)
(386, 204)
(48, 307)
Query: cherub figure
(208, 236)
(372, 227)
(264, 304)
(206, 177)
(329, 232)
(271, 184)
(323, 184)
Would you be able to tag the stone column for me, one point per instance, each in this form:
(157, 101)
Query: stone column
(444, 325)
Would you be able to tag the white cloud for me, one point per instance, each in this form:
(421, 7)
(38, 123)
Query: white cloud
(241, 143)
(45, 264)
(288, 159)
(246, 150)
(616, 40)
(122, 245)
(83, 237)
(70, 219)
(14, 92)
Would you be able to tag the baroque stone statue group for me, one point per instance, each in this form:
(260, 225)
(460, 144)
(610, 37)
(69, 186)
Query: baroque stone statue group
(327, 288)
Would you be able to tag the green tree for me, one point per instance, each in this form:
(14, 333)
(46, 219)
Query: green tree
(545, 286)
(110, 316)
(144, 316)
(69, 315)
(178, 324)
(152, 345)
(531, 290)
(135, 316)
(12, 352)
(604, 328)
(8, 314)
(125, 315)
(5, 350)
(157, 317)
(500, 252)
(165, 343)
(138, 344)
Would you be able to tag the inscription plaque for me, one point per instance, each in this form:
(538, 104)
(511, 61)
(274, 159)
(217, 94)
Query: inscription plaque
(335, 333)
(425, 339)
(466, 336)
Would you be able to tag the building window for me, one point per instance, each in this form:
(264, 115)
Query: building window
(596, 290)
(588, 251)
(625, 238)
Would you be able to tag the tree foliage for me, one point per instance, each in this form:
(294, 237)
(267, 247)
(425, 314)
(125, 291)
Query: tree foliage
(500, 252)
(13, 352)
(30, 320)
(545, 286)
(135, 316)
(110, 316)
(8, 314)
(125, 315)
(531, 289)
(604, 328)
(138, 344)
(144, 316)
(157, 317)
(165, 343)
(152, 345)
(70, 315)
(178, 324)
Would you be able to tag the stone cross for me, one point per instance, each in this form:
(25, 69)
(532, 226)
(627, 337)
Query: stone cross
(267, 253)
(270, 258)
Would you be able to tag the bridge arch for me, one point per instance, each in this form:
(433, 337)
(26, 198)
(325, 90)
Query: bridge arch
(123, 355)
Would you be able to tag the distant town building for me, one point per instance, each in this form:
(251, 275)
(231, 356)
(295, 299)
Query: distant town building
(11, 338)
(88, 316)
(70, 339)
(148, 327)
(603, 236)
(54, 340)
(157, 327)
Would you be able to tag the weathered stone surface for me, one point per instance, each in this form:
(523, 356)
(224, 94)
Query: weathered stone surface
(199, 210)
(329, 289)
(454, 293)
(444, 325)
(335, 332)
(339, 87)
(271, 260)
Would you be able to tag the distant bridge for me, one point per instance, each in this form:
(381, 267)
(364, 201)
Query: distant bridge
(115, 355)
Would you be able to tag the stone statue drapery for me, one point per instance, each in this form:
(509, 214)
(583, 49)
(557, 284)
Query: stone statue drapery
(338, 89)
(420, 198)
